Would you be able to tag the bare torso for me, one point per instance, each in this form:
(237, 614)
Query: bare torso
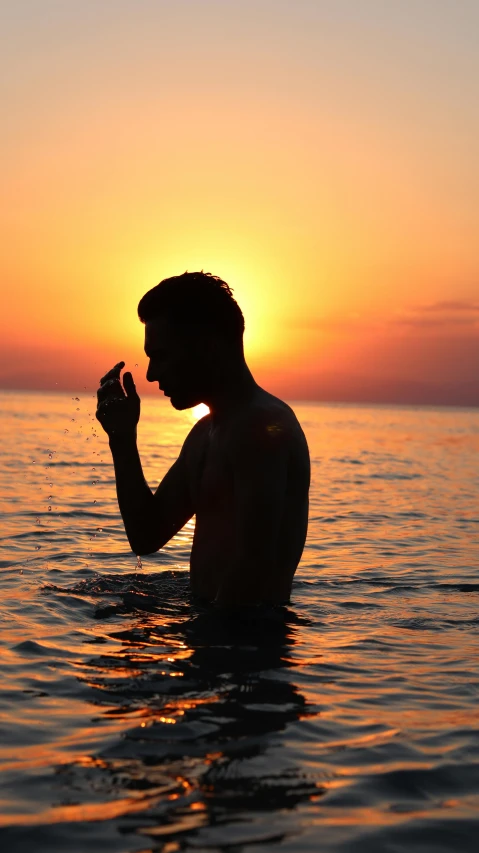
(223, 461)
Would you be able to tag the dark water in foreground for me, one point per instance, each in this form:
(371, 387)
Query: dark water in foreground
(130, 720)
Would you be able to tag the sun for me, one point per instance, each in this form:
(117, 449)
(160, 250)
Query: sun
(199, 411)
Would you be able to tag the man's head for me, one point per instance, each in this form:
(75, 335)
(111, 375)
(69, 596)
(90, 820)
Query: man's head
(193, 331)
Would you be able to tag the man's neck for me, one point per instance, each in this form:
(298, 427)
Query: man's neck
(234, 388)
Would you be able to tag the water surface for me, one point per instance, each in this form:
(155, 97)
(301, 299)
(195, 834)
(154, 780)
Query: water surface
(131, 720)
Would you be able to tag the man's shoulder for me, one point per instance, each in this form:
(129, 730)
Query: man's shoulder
(265, 408)
(265, 422)
(197, 435)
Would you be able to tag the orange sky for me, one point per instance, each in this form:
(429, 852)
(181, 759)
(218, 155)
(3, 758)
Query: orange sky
(320, 156)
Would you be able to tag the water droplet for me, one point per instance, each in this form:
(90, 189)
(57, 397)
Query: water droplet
(37, 547)
(100, 529)
(33, 462)
(136, 365)
(37, 520)
(67, 430)
(50, 455)
(77, 399)
(51, 485)
(93, 482)
(73, 420)
(94, 502)
(93, 469)
(49, 509)
(139, 564)
(50, 498)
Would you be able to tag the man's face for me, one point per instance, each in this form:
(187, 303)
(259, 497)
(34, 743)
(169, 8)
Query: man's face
(177, 363)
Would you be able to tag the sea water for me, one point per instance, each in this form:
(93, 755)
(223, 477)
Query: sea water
(132, 720)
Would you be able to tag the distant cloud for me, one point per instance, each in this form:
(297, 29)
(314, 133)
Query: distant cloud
(464, 305)
(419, 321)
(450, 314)
(443, 314)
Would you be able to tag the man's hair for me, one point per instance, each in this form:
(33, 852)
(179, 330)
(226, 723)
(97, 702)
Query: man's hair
(196, 300)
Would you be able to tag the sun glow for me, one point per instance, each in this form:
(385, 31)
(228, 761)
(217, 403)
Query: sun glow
(353, 263)
(199, 411)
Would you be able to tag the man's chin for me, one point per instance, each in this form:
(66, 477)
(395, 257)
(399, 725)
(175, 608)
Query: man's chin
(182, 403)
(178, 404)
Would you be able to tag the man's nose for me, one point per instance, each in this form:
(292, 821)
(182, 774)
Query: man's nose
(150, 373)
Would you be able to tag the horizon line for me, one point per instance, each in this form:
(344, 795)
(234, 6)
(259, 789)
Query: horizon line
(409, 404)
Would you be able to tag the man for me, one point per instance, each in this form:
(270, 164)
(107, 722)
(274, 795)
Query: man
(243, 469)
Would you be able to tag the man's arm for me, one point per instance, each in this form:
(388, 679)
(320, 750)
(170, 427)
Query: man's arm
(150, 519)
(260, 469)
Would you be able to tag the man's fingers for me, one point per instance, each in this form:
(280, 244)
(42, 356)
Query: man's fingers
(129, 385)
(114, 373)
(118, 407)
(110, 390)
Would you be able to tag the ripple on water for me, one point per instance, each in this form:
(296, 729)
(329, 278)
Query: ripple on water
(133, 718)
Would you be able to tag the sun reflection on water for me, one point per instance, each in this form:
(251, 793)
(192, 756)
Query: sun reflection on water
(342, 717)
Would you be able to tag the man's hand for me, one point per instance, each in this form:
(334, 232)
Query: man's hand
(118, 407)
(150, 519)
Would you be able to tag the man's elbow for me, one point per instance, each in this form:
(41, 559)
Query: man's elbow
(143, 547)
(148, 539)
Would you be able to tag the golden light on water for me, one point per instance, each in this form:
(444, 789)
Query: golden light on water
(199, 411)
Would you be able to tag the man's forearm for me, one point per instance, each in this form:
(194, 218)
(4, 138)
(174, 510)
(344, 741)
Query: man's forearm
(135, 497)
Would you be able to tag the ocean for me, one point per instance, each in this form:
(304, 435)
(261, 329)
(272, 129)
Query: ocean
(133, 720)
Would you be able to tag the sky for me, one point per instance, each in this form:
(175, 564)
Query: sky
(318, 155)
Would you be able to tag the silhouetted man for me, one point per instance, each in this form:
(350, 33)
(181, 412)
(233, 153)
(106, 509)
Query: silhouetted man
(243, 469)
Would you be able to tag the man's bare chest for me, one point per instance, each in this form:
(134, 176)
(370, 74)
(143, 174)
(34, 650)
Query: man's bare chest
(209, 475)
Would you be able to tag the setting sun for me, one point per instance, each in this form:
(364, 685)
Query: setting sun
(328, 180)
(199, 411)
